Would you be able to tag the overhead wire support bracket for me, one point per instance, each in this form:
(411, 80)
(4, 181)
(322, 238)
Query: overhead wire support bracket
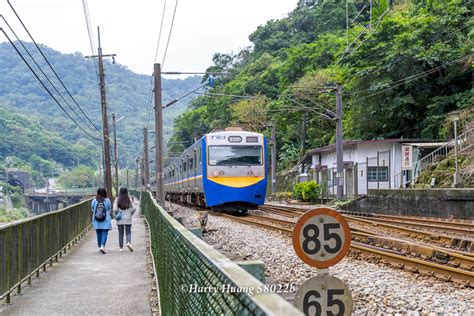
(227, 95)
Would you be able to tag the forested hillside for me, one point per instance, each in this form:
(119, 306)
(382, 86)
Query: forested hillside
(399, 77)
(42, 128)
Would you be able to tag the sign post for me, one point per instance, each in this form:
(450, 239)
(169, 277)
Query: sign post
(322, 238)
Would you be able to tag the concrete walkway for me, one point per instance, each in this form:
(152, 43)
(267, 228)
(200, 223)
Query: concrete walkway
(87, 282)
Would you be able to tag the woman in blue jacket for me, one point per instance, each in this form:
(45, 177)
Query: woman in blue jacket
(101, 220)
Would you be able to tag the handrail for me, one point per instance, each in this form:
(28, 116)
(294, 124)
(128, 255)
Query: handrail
(183, 260)
(464, 143)
(28, 246)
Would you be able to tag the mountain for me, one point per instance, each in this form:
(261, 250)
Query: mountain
(400, 74)
(22, 96)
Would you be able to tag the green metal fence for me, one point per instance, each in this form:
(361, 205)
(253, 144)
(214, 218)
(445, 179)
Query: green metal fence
(196, 279)
(28, 246)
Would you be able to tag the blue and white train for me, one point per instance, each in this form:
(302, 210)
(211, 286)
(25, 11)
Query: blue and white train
(224, 171)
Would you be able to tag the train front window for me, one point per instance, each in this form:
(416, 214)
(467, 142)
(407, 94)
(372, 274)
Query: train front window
(235, 155)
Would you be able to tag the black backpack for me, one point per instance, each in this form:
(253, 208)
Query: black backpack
(100, 212)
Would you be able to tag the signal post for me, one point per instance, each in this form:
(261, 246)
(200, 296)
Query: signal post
(321, 238)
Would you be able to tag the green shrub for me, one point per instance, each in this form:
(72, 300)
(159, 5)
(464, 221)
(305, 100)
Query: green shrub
(307, 191)
(10, 216)
(18, 200)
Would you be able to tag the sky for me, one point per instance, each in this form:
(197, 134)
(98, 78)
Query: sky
(130, 28)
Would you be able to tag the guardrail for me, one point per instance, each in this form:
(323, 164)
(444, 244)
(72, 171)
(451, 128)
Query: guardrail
(28, 246)
(195, 279)
(464, 142)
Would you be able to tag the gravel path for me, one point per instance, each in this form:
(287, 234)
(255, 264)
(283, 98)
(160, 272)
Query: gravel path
(375, 288)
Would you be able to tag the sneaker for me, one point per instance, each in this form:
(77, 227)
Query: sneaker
(129, 246)
(121, 250)
(102, 250)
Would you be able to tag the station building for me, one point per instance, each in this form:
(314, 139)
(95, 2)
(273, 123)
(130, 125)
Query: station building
(368, 164)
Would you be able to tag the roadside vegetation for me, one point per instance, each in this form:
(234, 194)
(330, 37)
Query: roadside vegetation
(400, 78)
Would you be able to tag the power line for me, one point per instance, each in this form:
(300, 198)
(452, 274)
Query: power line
(159, 34)
(44, 86)
(149, 100)
(91, 35)
(41, 70)
(404, 57)
(183, 96)
(50, 66)
(411, 78)
(169, 35)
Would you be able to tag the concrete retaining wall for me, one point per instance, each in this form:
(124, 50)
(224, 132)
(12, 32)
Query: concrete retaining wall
(448, 203)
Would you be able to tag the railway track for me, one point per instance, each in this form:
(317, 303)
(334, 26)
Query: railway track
(448, 233)
(411, 256)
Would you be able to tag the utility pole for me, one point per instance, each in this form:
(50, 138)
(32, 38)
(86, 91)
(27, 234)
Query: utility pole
(146, 160)
(105, 123)
(137, 161)
(115, 154)
(339, 148)
(127, 179)
(274, 158)
(160, 193)
(303, 139)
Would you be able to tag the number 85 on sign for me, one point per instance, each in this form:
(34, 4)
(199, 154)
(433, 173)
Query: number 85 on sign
(321, 237)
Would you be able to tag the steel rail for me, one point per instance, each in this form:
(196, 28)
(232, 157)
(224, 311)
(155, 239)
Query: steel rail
(447, 272)
(445, 229)
(435, 254)
(370, 219)
(448, 240)
(459, 223)
(418, 265)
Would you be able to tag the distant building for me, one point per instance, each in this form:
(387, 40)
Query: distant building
(368, 164)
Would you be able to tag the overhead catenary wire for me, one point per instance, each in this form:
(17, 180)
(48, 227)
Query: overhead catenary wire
(91, 35)
(159, 33)
(149, 103)
(378, 22)
(184, 96)
(413, 78)
(51, 67)
(169, 35)
(46, 88)
(41, 70)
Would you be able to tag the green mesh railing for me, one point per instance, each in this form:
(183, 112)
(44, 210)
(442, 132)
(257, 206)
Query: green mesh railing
(184, 263)
(28, 246)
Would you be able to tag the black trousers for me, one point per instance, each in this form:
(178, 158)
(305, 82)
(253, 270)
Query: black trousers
(128, 233)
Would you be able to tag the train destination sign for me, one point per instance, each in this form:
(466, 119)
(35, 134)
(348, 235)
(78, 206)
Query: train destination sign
(324, 295)
(321, 237)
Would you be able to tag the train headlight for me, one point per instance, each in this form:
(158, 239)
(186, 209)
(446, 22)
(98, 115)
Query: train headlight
(219, 173)
(250, 173)
(256, 173)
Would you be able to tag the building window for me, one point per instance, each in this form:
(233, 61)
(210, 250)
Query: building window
(381, 175)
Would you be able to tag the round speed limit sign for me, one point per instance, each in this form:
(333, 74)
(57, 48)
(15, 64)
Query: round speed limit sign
(324, 295)
(321, 237)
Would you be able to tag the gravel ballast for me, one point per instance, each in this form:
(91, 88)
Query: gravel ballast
(375, 288)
